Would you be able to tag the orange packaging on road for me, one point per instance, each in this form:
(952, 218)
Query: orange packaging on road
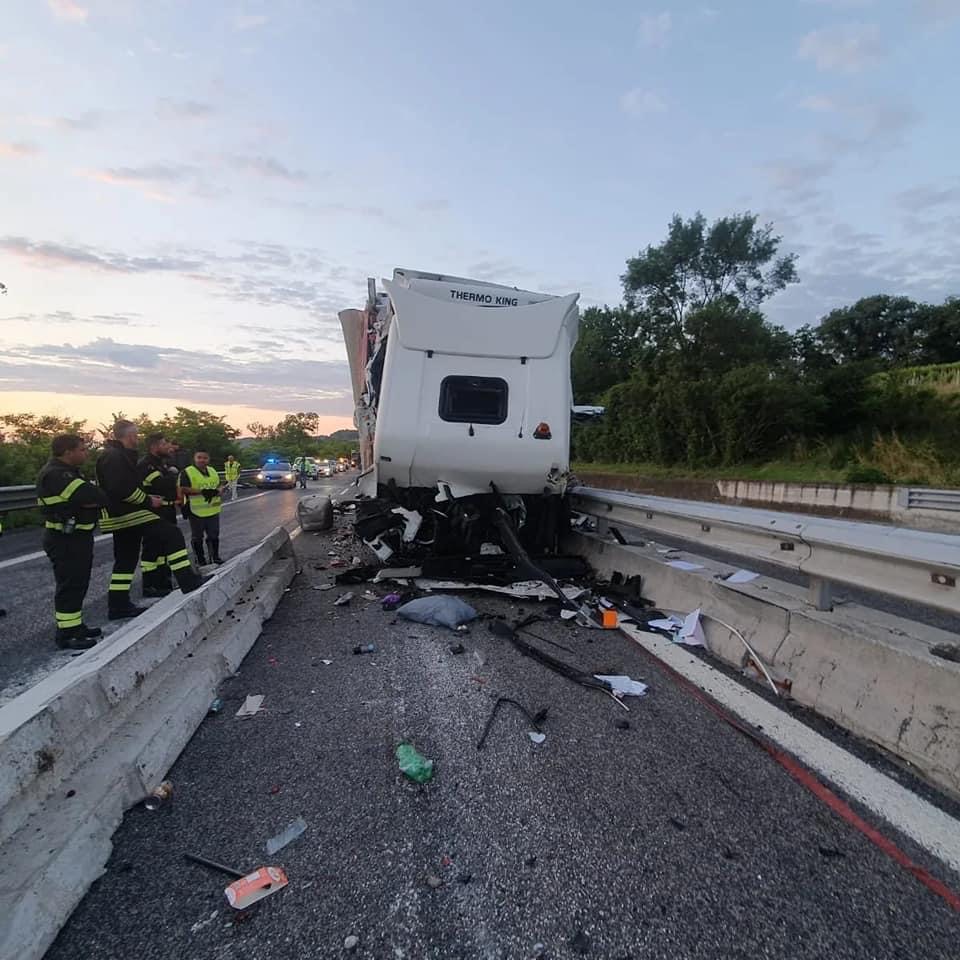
(255, 886)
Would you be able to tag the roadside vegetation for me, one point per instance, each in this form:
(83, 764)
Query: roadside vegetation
(25, 442)
(697, 382)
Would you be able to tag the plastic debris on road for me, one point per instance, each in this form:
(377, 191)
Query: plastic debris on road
(391, 601)
(536, 737)
(413, 764)
(623, 686)
(522, 589)
(365, 648)
(691, 633)
(160, 796)
(290, 833)
(684, 565)
(742, 576)
(216, 706)
(343, 600)
(251, 706)
(442, 611)
(255, 886)
(314, 513)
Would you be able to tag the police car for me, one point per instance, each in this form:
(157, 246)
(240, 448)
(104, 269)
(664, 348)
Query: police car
(276, 473)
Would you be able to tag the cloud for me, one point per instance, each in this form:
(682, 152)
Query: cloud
(72, 319)
(840, 4)
(47, 254)
(68, 10)
(937, 11)
(846, 48)
(655, 29)
(269, 167)
(18, 149)
(154, 180)
(799, 180)
(928, 197)
(88, 120)
(249, 21)
(819, 104)
(640, 103)
(108, 367)
(187, 109)
(870, 127)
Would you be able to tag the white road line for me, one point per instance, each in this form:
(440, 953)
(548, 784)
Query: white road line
(934, 830)
(28, 557)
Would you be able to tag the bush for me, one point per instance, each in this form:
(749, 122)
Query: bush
(864, 474)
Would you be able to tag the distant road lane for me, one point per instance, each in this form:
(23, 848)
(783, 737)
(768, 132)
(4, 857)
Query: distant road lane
(27, 650)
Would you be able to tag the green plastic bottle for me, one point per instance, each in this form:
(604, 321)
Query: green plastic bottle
(416, 766)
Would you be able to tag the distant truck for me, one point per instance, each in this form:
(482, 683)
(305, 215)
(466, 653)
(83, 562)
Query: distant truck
(463, 408)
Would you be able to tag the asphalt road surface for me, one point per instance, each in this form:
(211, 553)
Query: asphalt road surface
(27, 649)
(674, 838)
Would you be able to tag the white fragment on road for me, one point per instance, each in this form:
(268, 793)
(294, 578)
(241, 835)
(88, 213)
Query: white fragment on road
(684, 565)
(691, 633)
(742, 576)
(251, 705)
(200, 924)
(623, 685)
(536, 737)
(936, 831)
(290, 833)
(326, 663)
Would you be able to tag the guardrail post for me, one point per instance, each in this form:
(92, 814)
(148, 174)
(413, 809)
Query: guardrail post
(603, 527)
(821, 593)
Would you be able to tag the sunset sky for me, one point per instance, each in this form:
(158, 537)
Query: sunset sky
(192, 190)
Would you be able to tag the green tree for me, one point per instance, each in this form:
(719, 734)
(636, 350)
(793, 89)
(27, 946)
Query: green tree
(604, 353)
(731, 261)
(884, 328)
(25, 444)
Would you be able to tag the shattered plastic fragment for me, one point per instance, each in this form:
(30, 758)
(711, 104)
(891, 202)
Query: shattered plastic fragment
(290, 833)
(623, 685)
(343, 599)
(413, 764)
(251, 705)
(536, 737)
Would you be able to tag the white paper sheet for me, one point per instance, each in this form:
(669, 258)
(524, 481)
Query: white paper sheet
(684, 565)
(251, 705)
(691, 633)
(742, 576)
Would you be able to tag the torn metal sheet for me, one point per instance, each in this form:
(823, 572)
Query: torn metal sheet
(524, 589)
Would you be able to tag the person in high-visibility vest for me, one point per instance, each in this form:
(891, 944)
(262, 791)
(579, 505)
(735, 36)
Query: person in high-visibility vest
(201, 487)
(232, 471)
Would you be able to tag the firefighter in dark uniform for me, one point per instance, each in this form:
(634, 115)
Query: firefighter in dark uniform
(69, 506)
(158, 478)
(129, 516)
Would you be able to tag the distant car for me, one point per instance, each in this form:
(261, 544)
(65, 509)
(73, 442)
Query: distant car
(323, 469)
(276, 473)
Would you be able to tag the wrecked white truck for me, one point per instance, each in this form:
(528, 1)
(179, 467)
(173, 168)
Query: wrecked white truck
(463, 407)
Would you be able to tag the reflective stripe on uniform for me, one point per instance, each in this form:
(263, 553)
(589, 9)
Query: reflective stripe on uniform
(178, 560)
(108, 524)
(150, 477)
(53, 525)
(67, 620)
(121, 581)
(148, 566)
(137, 497)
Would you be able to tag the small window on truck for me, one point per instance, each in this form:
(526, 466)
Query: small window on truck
(473, 400)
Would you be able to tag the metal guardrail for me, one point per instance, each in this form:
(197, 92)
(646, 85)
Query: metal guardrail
(25, 497)
(914, 565)
(920, 498)
(17, 498)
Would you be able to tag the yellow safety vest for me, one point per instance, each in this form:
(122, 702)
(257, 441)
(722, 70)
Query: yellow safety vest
(198, 505)
(232, 470)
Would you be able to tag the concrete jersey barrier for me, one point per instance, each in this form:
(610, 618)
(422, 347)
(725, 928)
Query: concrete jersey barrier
(872, 673)
(92, 739)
